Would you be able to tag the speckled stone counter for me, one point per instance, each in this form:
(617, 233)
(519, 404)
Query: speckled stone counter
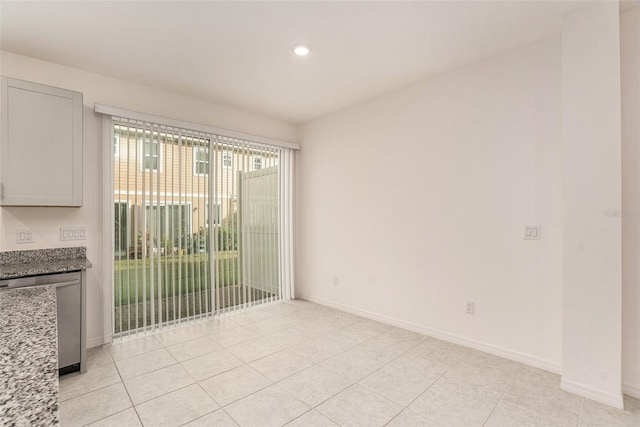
(28, 357)
(42, 261)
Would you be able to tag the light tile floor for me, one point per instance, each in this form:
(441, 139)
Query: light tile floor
(301, 364)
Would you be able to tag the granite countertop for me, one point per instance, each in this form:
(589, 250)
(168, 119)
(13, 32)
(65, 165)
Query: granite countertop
(28, 357)
(42, 261)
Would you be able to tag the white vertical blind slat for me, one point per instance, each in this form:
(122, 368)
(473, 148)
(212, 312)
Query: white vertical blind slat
(135, 221)
(235, 156)
(271, 203)
(210, 221)
(281, 235)
(181, 229)
(143, 215)
(215, 271)
(175, 272)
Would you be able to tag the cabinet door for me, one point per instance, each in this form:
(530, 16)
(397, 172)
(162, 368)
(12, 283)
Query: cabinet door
(41, 145)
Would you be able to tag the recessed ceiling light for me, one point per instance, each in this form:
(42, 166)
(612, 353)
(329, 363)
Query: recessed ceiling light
(301, 49)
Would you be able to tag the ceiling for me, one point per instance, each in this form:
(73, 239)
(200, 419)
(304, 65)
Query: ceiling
(239, 53)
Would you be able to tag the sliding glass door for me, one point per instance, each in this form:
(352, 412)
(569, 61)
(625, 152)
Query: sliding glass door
(197, 225)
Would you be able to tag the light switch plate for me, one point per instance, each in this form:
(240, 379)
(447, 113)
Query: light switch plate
(532, 232)
(24, 235)
(73, 233)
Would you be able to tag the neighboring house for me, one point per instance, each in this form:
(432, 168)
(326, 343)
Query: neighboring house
(170, 173)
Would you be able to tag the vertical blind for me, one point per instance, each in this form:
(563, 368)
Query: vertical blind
(202, 224)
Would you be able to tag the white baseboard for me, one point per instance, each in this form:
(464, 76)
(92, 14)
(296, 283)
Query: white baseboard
(610, 399)
(538, 362)
(631, 390)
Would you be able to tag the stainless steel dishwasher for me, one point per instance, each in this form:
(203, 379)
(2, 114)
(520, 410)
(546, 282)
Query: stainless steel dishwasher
(71, 315)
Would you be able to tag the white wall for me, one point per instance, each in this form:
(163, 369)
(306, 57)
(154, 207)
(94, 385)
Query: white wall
(417, 201)
(630, 75)
(592, 241)
(45, 222)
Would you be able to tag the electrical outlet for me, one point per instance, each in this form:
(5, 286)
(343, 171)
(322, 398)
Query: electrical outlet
(24, 235)
(335, 281)
(73, 233)
(532, 232)
(470, 307)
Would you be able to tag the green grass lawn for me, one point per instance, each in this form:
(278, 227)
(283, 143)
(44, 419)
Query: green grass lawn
(182, 275)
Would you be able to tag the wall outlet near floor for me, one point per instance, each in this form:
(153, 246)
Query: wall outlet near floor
(470, 307)
(24, 235)
(73, 233)
(336, 282)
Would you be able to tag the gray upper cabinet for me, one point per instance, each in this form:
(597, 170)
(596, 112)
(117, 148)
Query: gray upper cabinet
(40, 145)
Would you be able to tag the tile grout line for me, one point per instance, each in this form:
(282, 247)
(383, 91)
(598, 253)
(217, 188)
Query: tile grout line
(135, 355)
(221, 407)
(128, 395)
(366, 376)
(207, 414)
(580, 412)
(133, 405)
(299, 355)
(115, 413)
(89, 392)
(345, 350)
(69, 378)
(272, 383)
(229, 415)
(504, 394)
(419, 395)
(154, 370)
(386, 364)
(259, 335)
(126, 391)
(302, 415)
(351, 384)
(195, 382)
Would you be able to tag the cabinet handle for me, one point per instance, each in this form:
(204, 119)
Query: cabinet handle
(1, 191)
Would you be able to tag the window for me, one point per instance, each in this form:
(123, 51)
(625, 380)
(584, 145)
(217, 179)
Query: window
(227, 159)
(257, 162)
(215, 214)
(173, 223)
(200, 161)
(151, 155)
